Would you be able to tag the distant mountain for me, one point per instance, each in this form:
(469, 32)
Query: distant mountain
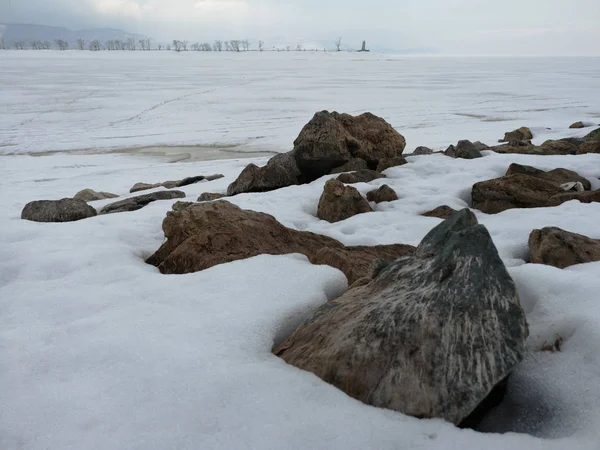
(27, 33)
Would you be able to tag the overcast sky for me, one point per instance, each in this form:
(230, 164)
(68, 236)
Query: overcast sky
(546, 27)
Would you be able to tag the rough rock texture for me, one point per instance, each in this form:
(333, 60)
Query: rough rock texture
(589, 147)
(430, 336)
(592, 136)
(64, 210)
(210, 196)
(360, 176)
(523, 191)
(464, 149)
(351, 166)
(174, 184)
(577, 125)
(135, 203)
(180, 206)
(559, 248)
(330, 140)
(557, 176)
(339, 202)
(261, 179)
(558, 147)
(386, 163)
(522, 134)
(89, 195)
(360, 261)
(422, 151)
(383, 194)
(481, 146)
(441, 212)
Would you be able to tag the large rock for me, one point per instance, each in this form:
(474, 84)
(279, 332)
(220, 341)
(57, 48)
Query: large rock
(360, 176)
(330, 140)
(559, 248)
(592, 136)
(522, 134)
(430, 336)
(383, 194)
(261, 179)
(64, 210)
(386, 163)
(89, 195)
(557, 176)
(589, 147)
(339, 202)
(558, 147)
(175, 183)
(351, 166)
(441, 212)
(464, 149)
(135, 203)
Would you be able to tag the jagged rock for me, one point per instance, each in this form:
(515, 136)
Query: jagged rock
(176, 183)
(464, 149)
(360, 176)
(330, 140)
(577, 125)
(64, 210)
(559, 248)
(143, 187)
(589, 147)
(522, 134)
(180, 206)
(135, 203)
(210, 196)
(261, 179)
(89, 195)
(358, 262)
(386, 163)
(383, 194)
(481, 146)
(441, 212)
(422, 151)
(558, 147)
(351, 166)
(339, 202)
(592, 136)
(450, 151)
(431, 336)
(557, 176)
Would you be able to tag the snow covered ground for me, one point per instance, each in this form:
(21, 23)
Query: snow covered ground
(98, 350)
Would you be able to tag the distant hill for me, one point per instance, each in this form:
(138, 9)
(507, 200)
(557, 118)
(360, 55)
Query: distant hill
(27, 33)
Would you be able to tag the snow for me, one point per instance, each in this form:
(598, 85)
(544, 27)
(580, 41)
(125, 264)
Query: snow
(98, 350)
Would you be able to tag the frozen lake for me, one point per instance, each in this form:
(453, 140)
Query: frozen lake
(52, 100)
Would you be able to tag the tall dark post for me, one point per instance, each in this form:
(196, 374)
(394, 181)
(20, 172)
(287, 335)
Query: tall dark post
(364, 47)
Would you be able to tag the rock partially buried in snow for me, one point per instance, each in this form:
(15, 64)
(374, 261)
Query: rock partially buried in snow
(386, 163)
(522, 134)
(261, 179)
(89, 195)
(577, 125)
(175, 184)
(383, 194)
(181, 206)
(135, 203)
(589, 147)
(360, 176)
(210, 196)
(558, 176)
(441, 212)
(351, 166)
(430, 336)
(559, 248)
(464, 149)
(64, 210)
(339, 202)
(422, 151)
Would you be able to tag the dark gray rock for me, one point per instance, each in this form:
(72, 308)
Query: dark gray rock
(592, 136)
(450, 151)
(351, 166)
(262, 179)
(466, 150)
(175, 183)
(360, 176)
(64, 210)
(422, 151)
(135, 203)
(431, 336)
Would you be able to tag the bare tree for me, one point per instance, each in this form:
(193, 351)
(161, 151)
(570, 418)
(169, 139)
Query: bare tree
(62, 45)
(235, 45)
(80, 44)
(168, 47)
(131, 45)
(288, 47)
(260, 45)
(148, 46)
(218, 46)
(184, 44)
(95, 45)
(205, 47)
(299, 47)
(35, 45)
(142, 43)
(179, 45)
(195, 47)
(246, 45)
(228, 46)
(47, 45)
(338, 44)
(2, 46)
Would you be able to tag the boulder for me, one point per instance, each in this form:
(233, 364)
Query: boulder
(176, 183)
(422, 151)
(359, 262)
(135, 203)
(522, 134)
(431, 336)
(210, 196)
(592, 136)
(577, 125)
(339, 202)
(351, 166)
(383, 194)
(386, 163)
(261, 179)
(589, 147)
(466, 150)
(558, 147)
(559, 248)
(89, 195)
(180, 206)
(360, 176)
(441, 212)
(64, 210)
(330, 140)
(557, 176)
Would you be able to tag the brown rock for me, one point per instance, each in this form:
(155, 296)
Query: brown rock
(89, 195)
(360, 176)
(558, 147)
(577, 125)
(556, 176)
(261, 179)
(180, 206)
(422, 151)
(339, 202)
(592, 136)
(383, 194)
(143, 187)
(589, 147)
(386, 163)
(522, 134)
(135, 203)
(441, 212)
(559, 248)
(210, 196)
(64, 210)
(176, 183)
(351, 166)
